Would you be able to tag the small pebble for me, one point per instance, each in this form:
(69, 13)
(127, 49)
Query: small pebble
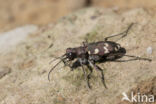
(149, 50)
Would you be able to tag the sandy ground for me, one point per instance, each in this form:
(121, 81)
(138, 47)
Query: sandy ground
(24, 69)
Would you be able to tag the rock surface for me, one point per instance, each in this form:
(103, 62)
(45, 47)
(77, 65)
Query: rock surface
(10, 39)
(4, 71)
(28, 84)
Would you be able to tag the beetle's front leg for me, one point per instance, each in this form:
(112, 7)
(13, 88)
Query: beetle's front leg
(67, 63)
(75, 64)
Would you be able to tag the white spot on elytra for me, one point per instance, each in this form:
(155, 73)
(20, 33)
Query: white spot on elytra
(89, 52)
(106, 44)
(106, 50)
(116, 48)
(96, 51)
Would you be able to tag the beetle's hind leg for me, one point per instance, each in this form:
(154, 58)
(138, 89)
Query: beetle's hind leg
(138, 58)
(99, 69)
(123, 33)
(132, 58)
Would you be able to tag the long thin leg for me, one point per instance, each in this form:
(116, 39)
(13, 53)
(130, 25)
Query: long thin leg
(123, 33)
(85, 75)
(84, 72)
(138, 58)
(88, 77)
(99, 69)
(133, 58)
(122, 60)
(76, 64)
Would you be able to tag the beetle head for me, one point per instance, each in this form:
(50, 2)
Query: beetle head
(71, 53)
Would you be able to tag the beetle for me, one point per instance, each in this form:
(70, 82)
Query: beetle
(90, 53)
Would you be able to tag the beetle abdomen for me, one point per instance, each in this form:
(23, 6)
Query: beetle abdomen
(102, 48)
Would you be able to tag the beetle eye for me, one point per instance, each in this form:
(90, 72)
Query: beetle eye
(70, 54)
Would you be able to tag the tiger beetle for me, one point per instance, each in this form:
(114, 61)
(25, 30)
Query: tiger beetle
(90, 53)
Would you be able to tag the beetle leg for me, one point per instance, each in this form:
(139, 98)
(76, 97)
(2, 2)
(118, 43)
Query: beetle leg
(123, 33)
(85, 75)
(85, 43)
(88, 77)
(123, 60)
(65, 62)
(71, 68)
(99, 69)
(133, 58)
(76, 64)
(138, 58)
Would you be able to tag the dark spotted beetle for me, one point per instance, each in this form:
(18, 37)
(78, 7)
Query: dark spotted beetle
(90, 53)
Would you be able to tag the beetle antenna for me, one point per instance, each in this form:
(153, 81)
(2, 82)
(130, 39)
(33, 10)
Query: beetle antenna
(53, 69)
(56, 58)
(61, 60)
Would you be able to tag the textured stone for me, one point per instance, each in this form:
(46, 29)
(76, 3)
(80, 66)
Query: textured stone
(4, 71)
(31, 86)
